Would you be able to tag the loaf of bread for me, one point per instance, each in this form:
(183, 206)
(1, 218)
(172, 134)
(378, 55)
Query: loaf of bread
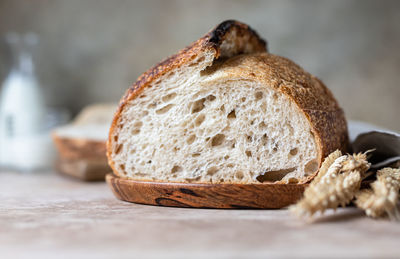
(82, 143)
(224, 110)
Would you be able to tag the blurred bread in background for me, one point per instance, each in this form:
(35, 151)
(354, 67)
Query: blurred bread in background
(96, 114)
(82, 143)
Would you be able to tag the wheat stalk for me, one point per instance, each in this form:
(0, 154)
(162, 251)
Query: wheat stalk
(383, 197)
(337, 182)
(329, 160)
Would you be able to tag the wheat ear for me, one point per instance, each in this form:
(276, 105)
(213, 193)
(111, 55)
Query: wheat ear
(336, 184)
(329, 160)
(383, 197)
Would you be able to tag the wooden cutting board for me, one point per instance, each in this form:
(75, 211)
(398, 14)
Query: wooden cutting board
(218, 196)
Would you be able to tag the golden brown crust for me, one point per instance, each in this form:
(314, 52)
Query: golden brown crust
(212, 41)
(309, 93)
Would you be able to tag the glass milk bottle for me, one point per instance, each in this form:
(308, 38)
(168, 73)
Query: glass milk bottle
(21, 103)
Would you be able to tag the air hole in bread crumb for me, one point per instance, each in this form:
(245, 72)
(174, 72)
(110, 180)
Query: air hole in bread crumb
(175, 169)
(118, 149)
(243, 99)
(122, 167)
(232, 114)
(249, 138)
(191, 139)
(264, 139)
(311, 167)
(164, 109)
(199, 120)
(116, 138)
(226, 157)
(198, 105)
(135, 131)
(223, 108)
(168, 97)
(293, 151)
(145, 113)
(239, 175)
(258, 95)
(248, 153)
(217, 140)
(195, 154)
(132, 151)
(211, 98)
(212, 170)
(276, 146)
(262, 125)
(276, 175)
(191, 180)
(152, 105)
(138, 124)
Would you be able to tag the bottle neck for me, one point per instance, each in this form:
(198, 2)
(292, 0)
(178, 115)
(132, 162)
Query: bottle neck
(23, 63)
(21, 47)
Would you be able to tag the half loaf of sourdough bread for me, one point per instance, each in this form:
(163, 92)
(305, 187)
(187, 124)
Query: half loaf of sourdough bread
(225, 110)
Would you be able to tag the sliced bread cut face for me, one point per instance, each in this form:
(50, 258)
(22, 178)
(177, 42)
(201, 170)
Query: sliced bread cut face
(242, 118)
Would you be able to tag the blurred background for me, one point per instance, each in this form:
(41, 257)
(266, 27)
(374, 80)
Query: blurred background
(91, 51)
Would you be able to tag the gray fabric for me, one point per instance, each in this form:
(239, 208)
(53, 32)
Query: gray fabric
(385, 143)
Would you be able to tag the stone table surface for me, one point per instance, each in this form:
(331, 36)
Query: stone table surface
(45, 215)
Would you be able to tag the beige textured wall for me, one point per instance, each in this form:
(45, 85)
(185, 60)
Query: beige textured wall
(92, 50)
